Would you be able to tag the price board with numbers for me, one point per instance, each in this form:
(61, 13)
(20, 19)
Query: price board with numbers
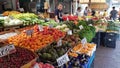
(6, 50)
(63, 59)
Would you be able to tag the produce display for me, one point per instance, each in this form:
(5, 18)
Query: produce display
(70, 17)
(52, 52)
(86, 31)
(81, 60)
(17, 59)
(87, 49)
(7, 13)
(71, 39)
(38, 40)
(47, 22)
(9, 22)
(49, 40)
(27, 18)
(62, 27)
(46, 65)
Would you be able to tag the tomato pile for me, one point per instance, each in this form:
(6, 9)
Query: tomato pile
(38, 40)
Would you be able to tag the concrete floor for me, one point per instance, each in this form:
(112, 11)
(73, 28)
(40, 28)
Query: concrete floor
(107, 57)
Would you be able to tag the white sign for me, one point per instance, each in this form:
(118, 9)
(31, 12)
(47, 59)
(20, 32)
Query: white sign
(81, 27)
(40, 28)
(7, 50)
(29, 32)
(90, 25)
(69, 32)
(63, 59)
(59, 43)
(51, 26)
(36, 65)
(84, 41)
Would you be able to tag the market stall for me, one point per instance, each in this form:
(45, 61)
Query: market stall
(71, 43)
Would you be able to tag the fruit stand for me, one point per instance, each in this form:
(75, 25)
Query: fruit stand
(48, 43)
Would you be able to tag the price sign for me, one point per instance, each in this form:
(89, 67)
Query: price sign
(63, 59)
(51, 26)
(36, 66)
(7, 50)
(29, 32)
(84, 41)
(69, 32)
(81, 27)
(90, 25)
(59, 43)
(40, 28)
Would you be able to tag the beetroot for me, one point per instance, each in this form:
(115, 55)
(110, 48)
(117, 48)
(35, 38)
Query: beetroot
(17, 59)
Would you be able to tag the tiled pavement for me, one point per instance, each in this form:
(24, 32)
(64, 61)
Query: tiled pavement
(107, 57)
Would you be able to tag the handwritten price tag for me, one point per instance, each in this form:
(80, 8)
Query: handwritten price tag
(7, 50)
(40, 28)
(69, 32)
(81, 27)
(51, 26)
(29, 32)
(63, 59)
(84, 41)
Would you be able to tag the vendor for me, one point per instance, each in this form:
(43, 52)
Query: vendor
(78, 13)
(58, 13)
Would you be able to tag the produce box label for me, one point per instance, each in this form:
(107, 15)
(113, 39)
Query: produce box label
(63, 59)
(40, 28)
(84, 41)
(29, 32)
(7, 50)
(81, 27)
(69, 32)
(90, 25)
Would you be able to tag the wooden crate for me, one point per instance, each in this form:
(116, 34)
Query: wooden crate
(8, 28)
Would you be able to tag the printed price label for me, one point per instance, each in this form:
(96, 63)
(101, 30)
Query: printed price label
(90, 25)
(29, 32)
(7, 50)
(84, 41)
(40, 28)
(36, 66)
(59, 43)
(63, 59)
(81, 27)
(69, 32)
(51, 26)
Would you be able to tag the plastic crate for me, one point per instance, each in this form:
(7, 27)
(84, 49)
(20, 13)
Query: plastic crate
(110, 40)
(96, 39)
